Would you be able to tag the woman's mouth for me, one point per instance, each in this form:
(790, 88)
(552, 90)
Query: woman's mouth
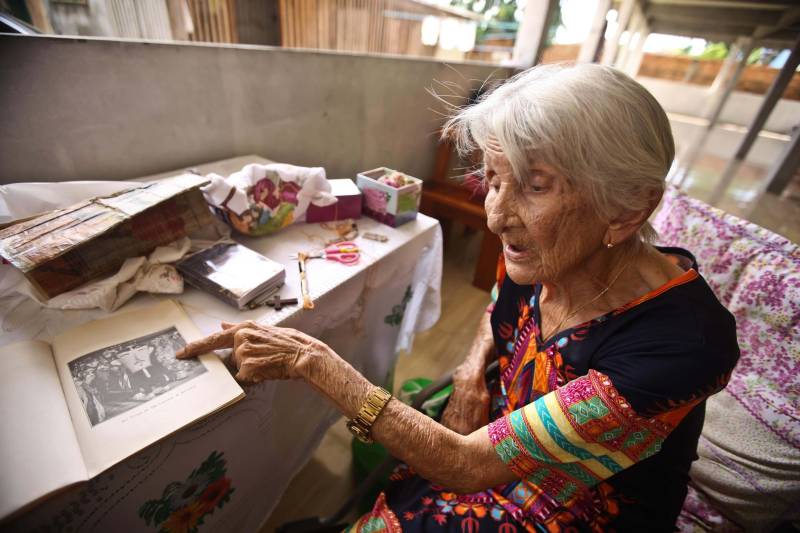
(516, 252)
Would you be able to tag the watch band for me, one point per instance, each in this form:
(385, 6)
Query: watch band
(361, 425)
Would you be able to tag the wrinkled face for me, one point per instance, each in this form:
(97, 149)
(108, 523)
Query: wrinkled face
(548, 229)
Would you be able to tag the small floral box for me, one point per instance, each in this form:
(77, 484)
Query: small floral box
(390, 197)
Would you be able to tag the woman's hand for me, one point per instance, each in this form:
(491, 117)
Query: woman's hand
(260, 352)
(468, 407)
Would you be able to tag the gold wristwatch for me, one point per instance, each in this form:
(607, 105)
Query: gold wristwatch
(361, 425)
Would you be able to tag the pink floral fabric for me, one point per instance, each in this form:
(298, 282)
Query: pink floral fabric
(703, 516)
(756, 275)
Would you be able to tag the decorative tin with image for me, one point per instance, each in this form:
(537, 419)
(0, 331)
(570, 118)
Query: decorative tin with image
(390, 197)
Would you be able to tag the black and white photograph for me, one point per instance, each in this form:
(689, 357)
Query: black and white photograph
(118, 378)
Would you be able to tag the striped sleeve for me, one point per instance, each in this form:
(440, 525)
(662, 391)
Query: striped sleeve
(576, 436)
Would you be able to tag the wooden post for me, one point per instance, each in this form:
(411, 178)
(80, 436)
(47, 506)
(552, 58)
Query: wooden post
(636, 54)
(611, 46)
(591, 46)
(233, 30)
(532, 33)
(786, 167)
(177, 21)
(39, 15)
(723, 85)
(767, 105)
(635, 24)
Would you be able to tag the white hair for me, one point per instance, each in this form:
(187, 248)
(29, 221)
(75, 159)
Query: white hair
(599, 127)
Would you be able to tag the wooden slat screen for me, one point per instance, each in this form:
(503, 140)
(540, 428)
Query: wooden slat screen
(140, 19)
(367, 26)
(214, 21)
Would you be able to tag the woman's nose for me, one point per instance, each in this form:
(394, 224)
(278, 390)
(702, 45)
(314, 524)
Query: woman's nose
(499, 206)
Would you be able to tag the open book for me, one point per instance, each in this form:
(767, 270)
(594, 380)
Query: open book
(98, 394)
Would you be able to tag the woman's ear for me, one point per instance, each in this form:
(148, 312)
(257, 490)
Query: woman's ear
(625, 225)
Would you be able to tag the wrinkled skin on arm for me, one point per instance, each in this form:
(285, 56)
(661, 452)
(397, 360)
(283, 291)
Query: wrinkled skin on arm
(462, 463)
(468, 407)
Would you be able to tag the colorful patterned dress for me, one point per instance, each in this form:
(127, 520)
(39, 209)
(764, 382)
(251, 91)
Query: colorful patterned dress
(600, 422)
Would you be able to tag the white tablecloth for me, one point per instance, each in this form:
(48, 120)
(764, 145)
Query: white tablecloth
(367, 313)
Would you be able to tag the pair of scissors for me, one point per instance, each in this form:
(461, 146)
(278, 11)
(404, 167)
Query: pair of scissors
(346, 252)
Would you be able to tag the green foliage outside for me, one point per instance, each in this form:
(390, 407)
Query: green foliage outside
(502, 18)
(720, 50)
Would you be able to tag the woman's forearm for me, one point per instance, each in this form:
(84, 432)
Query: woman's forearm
(458, 462)
(462, 463)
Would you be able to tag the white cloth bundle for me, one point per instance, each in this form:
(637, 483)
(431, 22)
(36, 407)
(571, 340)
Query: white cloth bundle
(261, 199)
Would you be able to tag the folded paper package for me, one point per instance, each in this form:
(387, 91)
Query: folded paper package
(98, 252)
(62, 249)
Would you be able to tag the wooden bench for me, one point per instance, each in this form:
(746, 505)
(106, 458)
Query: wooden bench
(447, 200)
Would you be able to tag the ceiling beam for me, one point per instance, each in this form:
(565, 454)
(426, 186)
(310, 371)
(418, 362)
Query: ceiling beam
(700, 28)
(790, 17)
(782, 40)
(718, 15)
(778, 41)
(731, 4)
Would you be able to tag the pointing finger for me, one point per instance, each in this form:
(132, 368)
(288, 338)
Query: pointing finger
(215, 341)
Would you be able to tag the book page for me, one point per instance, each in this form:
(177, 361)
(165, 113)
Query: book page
(39, 451)
(126, 390)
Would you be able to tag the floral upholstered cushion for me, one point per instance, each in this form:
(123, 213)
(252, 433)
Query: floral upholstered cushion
(699, 516)
(749, 466)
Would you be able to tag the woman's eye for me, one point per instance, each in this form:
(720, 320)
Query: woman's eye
(533, 187)
(537, 184)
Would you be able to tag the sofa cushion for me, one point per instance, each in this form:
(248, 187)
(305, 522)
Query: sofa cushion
(703, 516)
(749, 466)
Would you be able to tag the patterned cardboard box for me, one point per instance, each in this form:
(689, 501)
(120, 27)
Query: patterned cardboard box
(389, 205)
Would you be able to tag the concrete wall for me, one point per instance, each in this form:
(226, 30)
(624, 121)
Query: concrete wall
(83, 108)
(741, 109)
(100, 109)
(722, 143)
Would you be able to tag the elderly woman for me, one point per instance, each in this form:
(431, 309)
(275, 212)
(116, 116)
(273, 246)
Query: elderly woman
(608, 346)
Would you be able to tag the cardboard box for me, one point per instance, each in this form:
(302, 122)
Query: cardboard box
(63, 249)
(348, 204)
(389, 205)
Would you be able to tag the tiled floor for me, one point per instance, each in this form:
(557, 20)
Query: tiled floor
(326, 481)
(744, 199)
